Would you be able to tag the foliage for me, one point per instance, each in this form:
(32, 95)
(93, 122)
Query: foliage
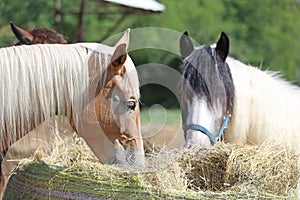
(262, 33)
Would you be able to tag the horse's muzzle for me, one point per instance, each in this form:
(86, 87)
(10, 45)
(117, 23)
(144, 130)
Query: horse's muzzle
(128, 156)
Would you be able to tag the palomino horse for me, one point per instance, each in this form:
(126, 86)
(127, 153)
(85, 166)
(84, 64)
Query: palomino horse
(219, 92)
(94, 85)
(37, 36)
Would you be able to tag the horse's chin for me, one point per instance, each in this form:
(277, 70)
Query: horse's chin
(129, 156)
(196, 138)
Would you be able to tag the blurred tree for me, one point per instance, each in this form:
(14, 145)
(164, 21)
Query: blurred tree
(262, 33)
(266, 33)
(23, 14)
(28, 13)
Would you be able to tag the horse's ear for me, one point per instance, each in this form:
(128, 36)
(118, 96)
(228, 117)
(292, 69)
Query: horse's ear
(223, 46)
(119, 57)
(23, 36)
(124, 39)
(186, 45)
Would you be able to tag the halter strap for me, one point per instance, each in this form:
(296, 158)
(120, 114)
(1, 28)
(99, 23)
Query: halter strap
(224, 126)
(203, 130)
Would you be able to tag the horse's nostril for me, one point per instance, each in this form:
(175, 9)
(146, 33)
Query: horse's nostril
(118, 145)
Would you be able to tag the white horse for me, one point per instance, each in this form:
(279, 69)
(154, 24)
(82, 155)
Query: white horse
(219, 91)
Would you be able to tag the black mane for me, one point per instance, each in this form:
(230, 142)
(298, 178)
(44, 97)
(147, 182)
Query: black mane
(196, 81)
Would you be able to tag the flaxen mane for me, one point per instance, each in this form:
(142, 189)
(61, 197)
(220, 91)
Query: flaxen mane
(39, 81)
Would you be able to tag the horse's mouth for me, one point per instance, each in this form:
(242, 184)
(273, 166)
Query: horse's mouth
(196, 138)
(127, 156)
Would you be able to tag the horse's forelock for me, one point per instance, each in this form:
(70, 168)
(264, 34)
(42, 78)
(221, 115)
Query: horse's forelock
(103, 54)
(200, 73)
(132, 75)
(195, 81)
(209, 76)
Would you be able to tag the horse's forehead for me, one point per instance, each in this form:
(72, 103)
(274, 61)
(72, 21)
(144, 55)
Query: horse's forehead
(202, 74)
(130, 67)
(205, 50)
(202, 58)
(131, 74)
(128, 84)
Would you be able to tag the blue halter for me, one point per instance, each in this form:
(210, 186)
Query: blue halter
(203, 130)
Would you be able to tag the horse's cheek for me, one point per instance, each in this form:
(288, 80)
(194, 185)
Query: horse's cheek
(127, 124)
(107, 120)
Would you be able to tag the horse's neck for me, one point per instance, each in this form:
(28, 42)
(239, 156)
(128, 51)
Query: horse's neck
(264, 104)
(36, 88)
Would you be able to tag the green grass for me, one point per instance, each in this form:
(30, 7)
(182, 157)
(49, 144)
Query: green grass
(158, 115)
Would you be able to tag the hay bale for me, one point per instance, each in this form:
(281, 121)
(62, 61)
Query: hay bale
(75, 173)
(35, 179)
(269, 166)
(206, 168)
(165, 174)
(223, 172)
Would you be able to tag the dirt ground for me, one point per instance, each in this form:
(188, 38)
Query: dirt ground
(168, 136)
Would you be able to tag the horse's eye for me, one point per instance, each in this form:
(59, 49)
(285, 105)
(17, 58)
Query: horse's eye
(131, 104)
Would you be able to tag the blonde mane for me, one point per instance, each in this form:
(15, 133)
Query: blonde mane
(266, 107)
(39, 81)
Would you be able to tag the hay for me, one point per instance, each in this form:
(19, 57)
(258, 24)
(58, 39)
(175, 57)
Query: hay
(226, 171)
(270, 167)
(206, 168)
